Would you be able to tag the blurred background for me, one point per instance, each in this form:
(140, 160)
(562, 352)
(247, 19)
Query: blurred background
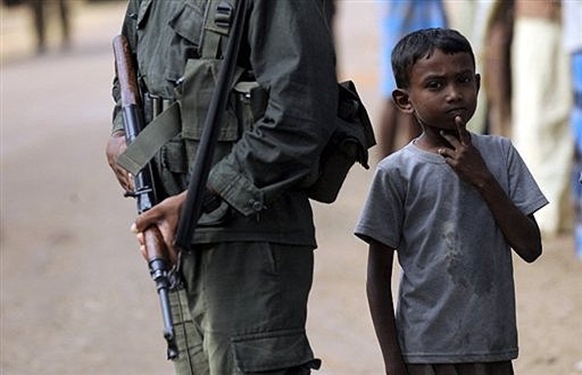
(76, 298)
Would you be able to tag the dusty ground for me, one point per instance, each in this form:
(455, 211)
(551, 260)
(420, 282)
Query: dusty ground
(77, 299)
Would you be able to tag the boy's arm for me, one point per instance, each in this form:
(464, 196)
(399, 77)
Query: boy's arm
(521, 231)
(379, 291)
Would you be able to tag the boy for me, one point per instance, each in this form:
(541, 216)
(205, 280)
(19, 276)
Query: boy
(452, 203)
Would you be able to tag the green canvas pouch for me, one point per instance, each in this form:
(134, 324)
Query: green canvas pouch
(348, 144)
(194, 95)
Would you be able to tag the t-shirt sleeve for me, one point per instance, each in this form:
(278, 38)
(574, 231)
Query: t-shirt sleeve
(382, 215)
(524, 191)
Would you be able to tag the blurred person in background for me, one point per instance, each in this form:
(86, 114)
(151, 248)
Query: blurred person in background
(541, 103)
(398, 19)
(496, 67)
(488, 24)
(572, 38)
(41, 10)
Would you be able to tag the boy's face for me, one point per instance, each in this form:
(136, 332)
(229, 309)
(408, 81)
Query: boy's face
(441, 87)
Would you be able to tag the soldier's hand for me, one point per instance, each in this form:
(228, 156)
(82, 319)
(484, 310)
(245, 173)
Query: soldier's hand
(165, 216)
(115, 147)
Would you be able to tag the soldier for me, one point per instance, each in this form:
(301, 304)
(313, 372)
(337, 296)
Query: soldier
(248, 273)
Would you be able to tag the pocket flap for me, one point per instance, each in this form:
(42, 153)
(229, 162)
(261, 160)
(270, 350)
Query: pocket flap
(273, 351)
(188, 22)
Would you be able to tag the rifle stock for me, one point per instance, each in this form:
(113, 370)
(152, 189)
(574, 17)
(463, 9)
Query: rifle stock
(144, 188)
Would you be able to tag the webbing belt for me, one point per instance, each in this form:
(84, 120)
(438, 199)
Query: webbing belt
(149, 141)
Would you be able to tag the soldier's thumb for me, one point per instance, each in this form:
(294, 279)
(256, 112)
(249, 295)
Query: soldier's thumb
(142, 222)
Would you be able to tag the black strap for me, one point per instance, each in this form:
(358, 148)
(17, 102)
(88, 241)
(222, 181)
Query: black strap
(218, 19)
(192, 208)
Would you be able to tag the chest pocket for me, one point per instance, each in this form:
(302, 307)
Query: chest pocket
(188, 21)
(169, 33)
(187, 27)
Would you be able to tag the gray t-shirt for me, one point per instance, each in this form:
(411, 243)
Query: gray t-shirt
(456, 297)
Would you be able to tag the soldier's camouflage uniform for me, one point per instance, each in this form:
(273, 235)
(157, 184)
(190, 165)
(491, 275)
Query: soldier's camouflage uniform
(249, 272)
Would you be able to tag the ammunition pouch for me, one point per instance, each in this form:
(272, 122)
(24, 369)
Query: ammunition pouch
(348, 144)
(153, 106)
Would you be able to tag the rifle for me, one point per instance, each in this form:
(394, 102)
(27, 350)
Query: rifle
(144, 188)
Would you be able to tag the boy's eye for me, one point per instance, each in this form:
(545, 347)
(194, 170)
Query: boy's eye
(434, 85)
(465, 79)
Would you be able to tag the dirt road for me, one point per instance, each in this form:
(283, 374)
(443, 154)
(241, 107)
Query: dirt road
(76, 297)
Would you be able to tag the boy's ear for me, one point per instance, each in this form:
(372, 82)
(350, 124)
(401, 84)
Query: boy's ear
(402, 100)
(478, 82)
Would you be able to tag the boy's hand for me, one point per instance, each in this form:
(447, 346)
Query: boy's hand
(521, 231)
(465, 159)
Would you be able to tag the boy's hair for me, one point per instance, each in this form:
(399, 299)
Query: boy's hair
(422, 43)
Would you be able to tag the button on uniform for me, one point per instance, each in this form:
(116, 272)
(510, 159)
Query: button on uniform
(256, 205)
